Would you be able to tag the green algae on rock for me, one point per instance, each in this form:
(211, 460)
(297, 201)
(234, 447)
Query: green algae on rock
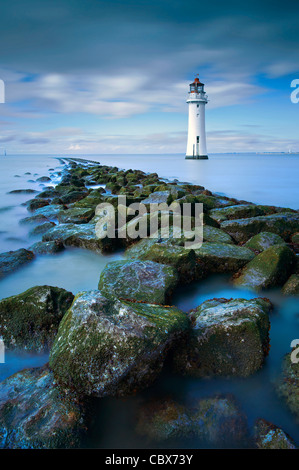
(264, 240)
(47, 248)
(138, 280)
(283, 224)
(240, 211)
(36, 414)
(221, 258)
(108, 347)
(291, 287)
(228, 337)
(30, 320)
(269, 436)
(270, 268)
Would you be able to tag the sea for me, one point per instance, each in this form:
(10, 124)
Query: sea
(270, 179)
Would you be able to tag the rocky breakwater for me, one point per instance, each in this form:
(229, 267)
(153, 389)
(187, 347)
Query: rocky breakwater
(114, 341)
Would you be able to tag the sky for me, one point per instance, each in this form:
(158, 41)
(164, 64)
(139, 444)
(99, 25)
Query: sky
(98, 77)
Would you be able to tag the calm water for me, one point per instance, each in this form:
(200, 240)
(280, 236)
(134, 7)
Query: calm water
(258, 178)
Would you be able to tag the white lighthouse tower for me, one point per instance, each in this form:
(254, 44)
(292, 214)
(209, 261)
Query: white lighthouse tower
(197, 100)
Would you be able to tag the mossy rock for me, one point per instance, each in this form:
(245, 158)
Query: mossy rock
(215, 235)
(113, 348)
(269, 436)
(138, 280)
(295, 241)
(75, 215)
(36, 414)
(287, 385)
(228, 338)
(158, 197)
(221, 258)
(51, 211)
(80, 236)
(291, 287)
(240, 211)
(270, 268)
(30, 320)
(167, 252)
(283, 224)
(10, 261)
(47, 248)
(37, 203)
(263, 240)
(41, 229)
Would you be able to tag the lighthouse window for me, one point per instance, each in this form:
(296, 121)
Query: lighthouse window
(197, 139)
(198, 105)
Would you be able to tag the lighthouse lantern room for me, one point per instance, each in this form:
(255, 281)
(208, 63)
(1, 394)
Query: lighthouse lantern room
(197, 99)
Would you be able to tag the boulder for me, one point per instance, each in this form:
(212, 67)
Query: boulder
(291, 287)
(270, 268)
(23, 191)
(295, 241)
(166, 252)
(283, 224)
(37, 203)
(50, 211)
(75, 215)
(263, 240)
(287, 386)
(30, 320)
(108, 347)
(240, 211)
(138, 280)
(215, 235)
(47, 248)
(269, 436)
(12, 260)
(41, 229)
(228, 338)
(36, 414)
(158, 197)
(81, 236)
(221, 258)
(215, 421)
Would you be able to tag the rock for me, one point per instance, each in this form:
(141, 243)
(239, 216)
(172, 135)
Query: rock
(295, 241)
(47, 248)
(287, 385)
(240, 211)
(43, 179)
(34, 219)
(41, 229)
(37, 203)
(215, 420)
(166, 252)
(12, 260)
(291, 287)
(50, 211)
(164, 419)
(219, 421)
(221, 258)
(138, 280)
(215, 235)
(113, 348)
(23, 191)
(270, 268)
(30, 320)
(264, 240)
(228, 338)
(75, 215)
(35, 414)
(269, 436)
(73, 196)
(81, 236)
(158, 197)
(283, 224)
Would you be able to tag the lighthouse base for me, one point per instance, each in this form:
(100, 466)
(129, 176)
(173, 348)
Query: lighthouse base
(196, 157)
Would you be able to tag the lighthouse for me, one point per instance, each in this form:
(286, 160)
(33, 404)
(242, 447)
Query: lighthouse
(197, 100)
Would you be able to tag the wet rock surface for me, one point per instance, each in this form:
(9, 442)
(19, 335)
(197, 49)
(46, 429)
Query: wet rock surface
(113, 348)
(146, 280)
(30, 320)
(228, 337)
(12, 260)
(36, 414)
(269, 436)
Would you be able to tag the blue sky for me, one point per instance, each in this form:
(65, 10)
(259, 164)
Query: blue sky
(112, 77)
